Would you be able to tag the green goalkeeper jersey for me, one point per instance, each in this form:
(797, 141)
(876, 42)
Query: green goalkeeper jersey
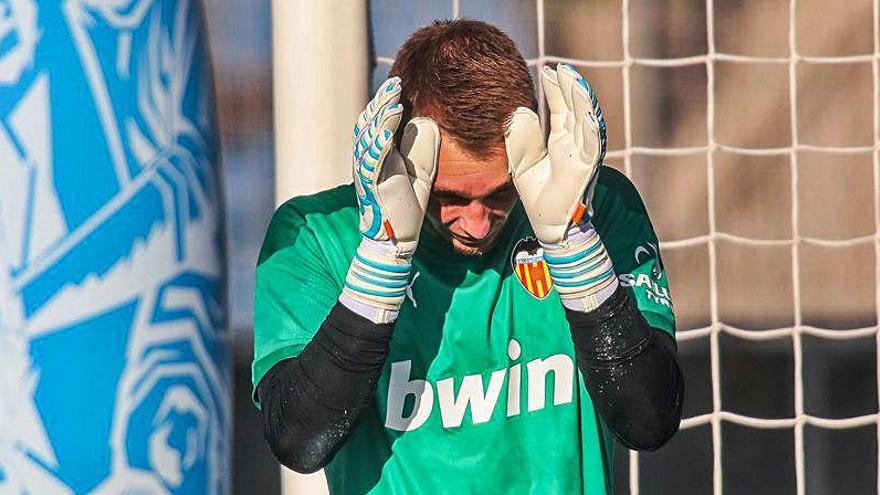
(480, 392)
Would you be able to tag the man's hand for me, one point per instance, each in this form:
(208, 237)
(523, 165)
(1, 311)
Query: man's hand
(556, 185)
(393, 186)
(392, 191)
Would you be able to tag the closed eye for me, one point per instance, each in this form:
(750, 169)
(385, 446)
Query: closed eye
(500, 196)
(449, 198)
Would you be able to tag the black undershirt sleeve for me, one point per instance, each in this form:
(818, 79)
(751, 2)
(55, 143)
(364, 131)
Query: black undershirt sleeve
(630, 371)
(310, 403)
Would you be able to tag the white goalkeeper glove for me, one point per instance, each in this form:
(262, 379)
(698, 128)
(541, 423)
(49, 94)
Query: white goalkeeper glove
(392, 189)
(556, 184)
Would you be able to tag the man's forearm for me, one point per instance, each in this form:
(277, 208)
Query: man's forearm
(311, 402)
(630, 371)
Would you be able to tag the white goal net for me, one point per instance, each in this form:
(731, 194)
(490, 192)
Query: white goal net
(751, 129)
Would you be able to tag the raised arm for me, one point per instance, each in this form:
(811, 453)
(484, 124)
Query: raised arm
(310, 402)
(629, 368)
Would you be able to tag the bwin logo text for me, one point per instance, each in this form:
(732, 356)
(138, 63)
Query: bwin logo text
(471, 392)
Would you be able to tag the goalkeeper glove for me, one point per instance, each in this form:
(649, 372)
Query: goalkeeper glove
(556, 185)
(392, 191)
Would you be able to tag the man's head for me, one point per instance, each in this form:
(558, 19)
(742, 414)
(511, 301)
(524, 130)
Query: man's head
(469, 77)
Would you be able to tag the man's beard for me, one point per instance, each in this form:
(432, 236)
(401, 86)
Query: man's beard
(466, 250)
(469, 246)
(464, 244)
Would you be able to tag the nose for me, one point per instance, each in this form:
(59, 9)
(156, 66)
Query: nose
(475, 220)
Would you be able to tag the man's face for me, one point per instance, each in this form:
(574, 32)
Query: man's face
(471, 198)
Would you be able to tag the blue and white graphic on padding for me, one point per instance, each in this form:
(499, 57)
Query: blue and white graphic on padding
(114, 359)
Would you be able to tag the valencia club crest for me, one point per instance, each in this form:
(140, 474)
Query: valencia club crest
(527, 260)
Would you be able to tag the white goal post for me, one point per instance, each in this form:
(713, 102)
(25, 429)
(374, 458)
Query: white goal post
(320, 82)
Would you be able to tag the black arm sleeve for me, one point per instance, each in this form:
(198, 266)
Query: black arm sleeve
(310, 402)
(630, 371)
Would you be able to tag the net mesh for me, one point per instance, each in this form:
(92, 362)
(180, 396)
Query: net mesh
(798, 242)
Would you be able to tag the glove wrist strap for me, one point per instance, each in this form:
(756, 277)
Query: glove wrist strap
(581, 269)
(377, 279)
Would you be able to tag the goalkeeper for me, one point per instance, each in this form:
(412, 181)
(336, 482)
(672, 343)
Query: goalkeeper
(484, 309)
